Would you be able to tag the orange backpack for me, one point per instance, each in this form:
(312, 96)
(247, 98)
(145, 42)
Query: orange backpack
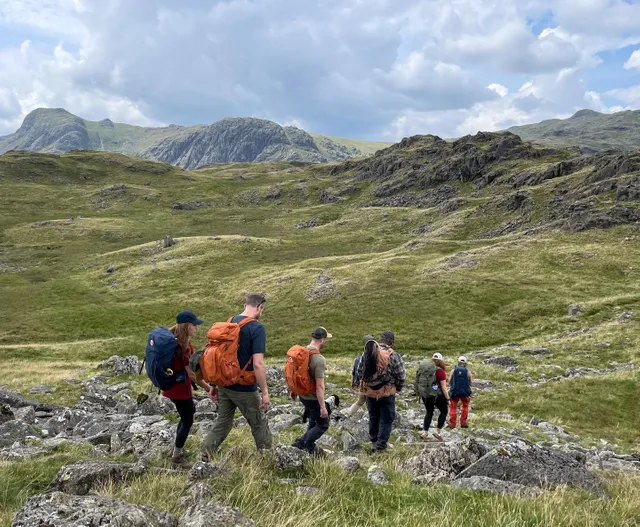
(296, 371)
(219, 362)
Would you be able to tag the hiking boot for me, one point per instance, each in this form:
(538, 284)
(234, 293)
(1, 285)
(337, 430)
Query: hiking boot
(464, 426)
(299, 445)
(180, 460)
(316, 451)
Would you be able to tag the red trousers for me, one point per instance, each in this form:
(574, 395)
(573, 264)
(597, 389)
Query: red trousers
(453, 410)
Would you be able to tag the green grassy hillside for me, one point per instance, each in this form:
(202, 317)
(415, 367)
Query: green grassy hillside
(460, 248)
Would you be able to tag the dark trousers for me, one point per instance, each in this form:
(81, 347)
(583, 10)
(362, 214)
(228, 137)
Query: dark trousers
(317, 426)
(439, 402)
(382, 412)
(186, 408)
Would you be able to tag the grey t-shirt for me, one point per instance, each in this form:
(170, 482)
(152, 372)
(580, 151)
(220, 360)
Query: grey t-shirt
(317, 367)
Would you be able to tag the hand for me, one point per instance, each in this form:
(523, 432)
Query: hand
(213, 393)
(323, 412)
(265, 401)
(292, 396)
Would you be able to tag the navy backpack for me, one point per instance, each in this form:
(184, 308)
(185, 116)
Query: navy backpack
(460, 386)
(158, 356)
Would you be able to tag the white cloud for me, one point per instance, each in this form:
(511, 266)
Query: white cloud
(634, 61)
(381, 68)
(630, 96)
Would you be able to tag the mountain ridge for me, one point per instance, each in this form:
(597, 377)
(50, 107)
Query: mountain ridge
(241, 139)
(589, 130)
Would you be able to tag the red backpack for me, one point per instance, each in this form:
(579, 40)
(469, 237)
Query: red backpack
(219, 362)
(296, 371)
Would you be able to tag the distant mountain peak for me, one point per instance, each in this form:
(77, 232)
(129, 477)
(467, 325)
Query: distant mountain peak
(246, 139)
(585, 113)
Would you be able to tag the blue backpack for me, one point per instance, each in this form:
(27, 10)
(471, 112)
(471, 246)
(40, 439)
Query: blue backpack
(158, 356)
(460, 386)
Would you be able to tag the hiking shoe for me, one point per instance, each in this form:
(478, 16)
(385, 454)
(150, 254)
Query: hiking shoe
(464, 426)
(437, 436)
(299, 445)
(424, 434)
(180, 460)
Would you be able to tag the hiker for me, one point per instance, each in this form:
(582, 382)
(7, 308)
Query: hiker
(431, 386)
(238, 374)
(180, 393)
(460, 390)
(355, 382)
(382, 373)
(304, 373)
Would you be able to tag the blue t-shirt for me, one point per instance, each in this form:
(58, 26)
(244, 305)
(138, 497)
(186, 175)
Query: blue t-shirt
(253, 339)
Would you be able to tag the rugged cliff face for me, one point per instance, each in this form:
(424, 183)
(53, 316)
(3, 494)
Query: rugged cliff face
(229, 140)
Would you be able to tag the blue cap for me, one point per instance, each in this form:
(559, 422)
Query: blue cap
(188, 317)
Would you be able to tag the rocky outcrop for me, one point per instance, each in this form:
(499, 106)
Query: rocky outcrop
(64, 510)
(495, 486)
(121, 365)
(532, 465)
(289, 458)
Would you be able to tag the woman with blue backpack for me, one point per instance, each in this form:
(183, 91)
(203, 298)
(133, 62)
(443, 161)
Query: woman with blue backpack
(460, 383)
(180, 392)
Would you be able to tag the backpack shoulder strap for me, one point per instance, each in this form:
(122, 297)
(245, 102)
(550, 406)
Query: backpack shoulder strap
(245, 321)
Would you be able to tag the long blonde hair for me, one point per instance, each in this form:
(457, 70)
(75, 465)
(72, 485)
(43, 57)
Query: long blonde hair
(181, 331)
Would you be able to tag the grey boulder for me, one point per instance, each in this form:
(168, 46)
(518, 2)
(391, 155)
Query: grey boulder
(83, 476)
(444, 461)
(495, 486)
(289, 457)
(16, 431)
(121, 365)
(525, 464)
(377, 476)
(64, 510)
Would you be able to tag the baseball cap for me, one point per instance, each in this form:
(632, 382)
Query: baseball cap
(367, 338)
(188, 317)
(321, 333)
(462, 358)
(388, 336)
(437, 356)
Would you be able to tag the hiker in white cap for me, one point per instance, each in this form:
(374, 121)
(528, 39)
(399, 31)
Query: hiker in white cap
(460, 388)
(431, 386)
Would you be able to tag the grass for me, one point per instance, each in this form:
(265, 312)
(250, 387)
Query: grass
(65, 220)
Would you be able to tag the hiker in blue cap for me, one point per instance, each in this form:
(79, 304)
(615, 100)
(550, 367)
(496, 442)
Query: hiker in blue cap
(181, 393)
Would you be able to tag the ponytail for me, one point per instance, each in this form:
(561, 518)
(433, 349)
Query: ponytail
(371, 350)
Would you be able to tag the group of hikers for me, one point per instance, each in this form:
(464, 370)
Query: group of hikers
(232, 368)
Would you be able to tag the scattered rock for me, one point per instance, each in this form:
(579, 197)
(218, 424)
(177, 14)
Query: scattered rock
(284, 421)
(575, 309)
(201, 470)
(376, 475)
(525, 464)
(349, 443)
(307, 491)
(322, 290)
(502, 361)
(121, 365)
(349, 463)
(16, 432)
(625, 315)
(603, 345)
(63, 510)
(42, 389)
(308, 224)
(214, 513)
(6, 414)
(18, 401)
(289, 457)
(83, 476)
(536, 351)
(111, 269)
(168, 241)
(495, 486)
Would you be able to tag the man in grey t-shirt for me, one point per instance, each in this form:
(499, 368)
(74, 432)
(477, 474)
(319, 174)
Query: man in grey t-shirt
(314, 402)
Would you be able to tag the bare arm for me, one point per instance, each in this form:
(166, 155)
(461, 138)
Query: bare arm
(470, 378)
(320, 391)
(261, 377)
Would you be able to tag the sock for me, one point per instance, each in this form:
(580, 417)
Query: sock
(177, 451)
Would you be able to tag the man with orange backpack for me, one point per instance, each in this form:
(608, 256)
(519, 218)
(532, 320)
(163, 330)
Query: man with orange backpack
(234, 362)
(304, 373)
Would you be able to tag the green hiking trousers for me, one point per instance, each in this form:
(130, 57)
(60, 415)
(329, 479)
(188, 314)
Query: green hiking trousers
(249, 405)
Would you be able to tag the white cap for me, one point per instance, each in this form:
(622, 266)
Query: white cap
(462, 358)
(438, 356)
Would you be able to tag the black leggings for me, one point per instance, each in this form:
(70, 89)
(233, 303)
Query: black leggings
(439, 402)
(186, 408)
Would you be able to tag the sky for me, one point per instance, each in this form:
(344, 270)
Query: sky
(368, 69)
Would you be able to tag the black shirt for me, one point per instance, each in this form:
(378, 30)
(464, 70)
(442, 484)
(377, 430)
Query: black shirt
(253, 339)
